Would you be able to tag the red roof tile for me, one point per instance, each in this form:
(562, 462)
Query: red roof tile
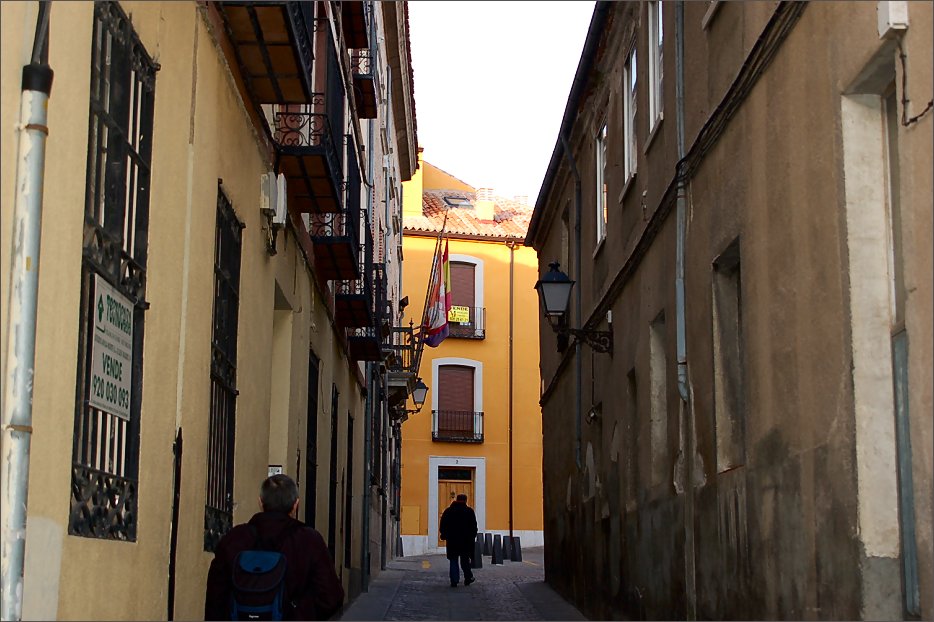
(510, 218)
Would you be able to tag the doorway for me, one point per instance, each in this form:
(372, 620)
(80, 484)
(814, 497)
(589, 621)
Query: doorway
(453, 481)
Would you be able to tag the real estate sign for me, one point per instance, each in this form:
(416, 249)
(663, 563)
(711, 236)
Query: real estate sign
(112, 350)
(459, 314)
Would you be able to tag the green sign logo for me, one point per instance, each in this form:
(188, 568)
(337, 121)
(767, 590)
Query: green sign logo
(100, 308)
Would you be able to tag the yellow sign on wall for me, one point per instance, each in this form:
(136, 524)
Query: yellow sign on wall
(459, 314)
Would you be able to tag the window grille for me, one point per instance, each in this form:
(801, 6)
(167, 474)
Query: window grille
(218, 510)
(105, 454)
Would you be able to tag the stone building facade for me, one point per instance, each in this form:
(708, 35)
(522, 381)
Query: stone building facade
(741, 192)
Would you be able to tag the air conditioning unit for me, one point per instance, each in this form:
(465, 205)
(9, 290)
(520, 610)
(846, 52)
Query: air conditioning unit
(273, 198)
(281, 212)
(269, 191)
(892, 17)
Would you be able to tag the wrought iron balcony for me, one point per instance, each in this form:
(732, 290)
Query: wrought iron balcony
(336, 244)
(272, 48)
(364, 82)
(355, 22)
(457, 426)
(466, 322)
(336, 237)
(308, 154)
(381, 302)
(400, 351)
(354, 304)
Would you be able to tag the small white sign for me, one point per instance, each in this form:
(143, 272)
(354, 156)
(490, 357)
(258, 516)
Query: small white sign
(275, 469)
(111, 350)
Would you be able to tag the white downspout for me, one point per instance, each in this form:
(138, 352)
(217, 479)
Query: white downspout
(21, 339)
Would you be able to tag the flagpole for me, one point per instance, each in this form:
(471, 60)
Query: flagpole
(435, 266)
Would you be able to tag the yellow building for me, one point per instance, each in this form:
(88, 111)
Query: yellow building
(220, 245)
(479, 431)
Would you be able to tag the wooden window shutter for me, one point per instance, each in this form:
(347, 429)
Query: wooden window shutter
(462, 284)
(455, 392)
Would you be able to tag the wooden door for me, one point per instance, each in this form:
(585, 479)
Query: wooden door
(448, 489)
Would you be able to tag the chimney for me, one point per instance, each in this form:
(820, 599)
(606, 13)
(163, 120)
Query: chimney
(483, 206)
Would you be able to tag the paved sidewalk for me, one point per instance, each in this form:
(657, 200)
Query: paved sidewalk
(418, 588)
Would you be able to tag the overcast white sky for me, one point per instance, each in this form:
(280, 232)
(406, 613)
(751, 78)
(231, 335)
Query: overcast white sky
(491, 83)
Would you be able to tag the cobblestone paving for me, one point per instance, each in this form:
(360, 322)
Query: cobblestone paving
(418, 588)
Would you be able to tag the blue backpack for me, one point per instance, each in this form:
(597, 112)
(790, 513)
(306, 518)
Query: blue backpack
(258, 583)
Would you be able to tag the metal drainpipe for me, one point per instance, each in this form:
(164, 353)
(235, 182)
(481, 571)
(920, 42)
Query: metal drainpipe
(683, 384)
(21, 338)
(577, 299)
(512, 263)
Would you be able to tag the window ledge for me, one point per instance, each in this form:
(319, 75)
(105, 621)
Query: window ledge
(599, 247)
(629, 183)
(653, 133)
(709, 15)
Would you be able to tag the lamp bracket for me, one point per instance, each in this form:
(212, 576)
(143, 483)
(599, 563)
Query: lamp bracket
(598, 340)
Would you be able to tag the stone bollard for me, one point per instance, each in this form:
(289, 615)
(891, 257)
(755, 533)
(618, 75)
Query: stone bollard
(507, 548)
(487, 543)
(497, 550)
(516, 549)
(477, 561)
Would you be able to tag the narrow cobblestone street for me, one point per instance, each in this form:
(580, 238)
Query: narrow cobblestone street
(417, 588)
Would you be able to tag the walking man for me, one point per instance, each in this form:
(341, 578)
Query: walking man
(311, 588)
(459, 530)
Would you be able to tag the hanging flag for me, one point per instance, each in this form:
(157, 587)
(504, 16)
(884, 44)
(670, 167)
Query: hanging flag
(439, 300)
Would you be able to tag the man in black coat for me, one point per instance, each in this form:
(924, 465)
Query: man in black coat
(313, 590)
(459, 530)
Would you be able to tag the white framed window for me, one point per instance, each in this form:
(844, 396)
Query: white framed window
(457, 400)
(600, 143)
(656, 73)
(630, 75)
(466, 317)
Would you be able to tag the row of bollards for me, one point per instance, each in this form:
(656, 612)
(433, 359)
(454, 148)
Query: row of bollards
(498, 547)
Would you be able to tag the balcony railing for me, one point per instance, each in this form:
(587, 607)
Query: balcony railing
(381, 303)
(335, 238)
(364, 83)
(400, 351)
(466, 322)
(308, 153)
(354, 303)
(457, 426)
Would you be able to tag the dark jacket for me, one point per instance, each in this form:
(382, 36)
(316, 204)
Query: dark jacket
(459, 529)
(311, 583)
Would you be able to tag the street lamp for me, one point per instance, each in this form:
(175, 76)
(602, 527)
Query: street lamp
(554, 292)
(418, 396)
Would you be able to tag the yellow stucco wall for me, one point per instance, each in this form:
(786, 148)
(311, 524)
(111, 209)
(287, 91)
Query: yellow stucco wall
(493, 352)
(201, 134)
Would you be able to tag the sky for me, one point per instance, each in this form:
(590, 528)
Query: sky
(491, 83)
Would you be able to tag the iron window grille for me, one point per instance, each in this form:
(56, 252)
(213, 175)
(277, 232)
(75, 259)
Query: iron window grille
(105, 453)
(218, 510)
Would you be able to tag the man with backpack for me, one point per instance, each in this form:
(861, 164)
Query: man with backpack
(274, 567)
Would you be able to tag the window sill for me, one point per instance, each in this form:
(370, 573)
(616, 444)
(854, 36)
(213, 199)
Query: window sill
(629, 183)
(653, 133)
(709, 15)
(599, 247)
